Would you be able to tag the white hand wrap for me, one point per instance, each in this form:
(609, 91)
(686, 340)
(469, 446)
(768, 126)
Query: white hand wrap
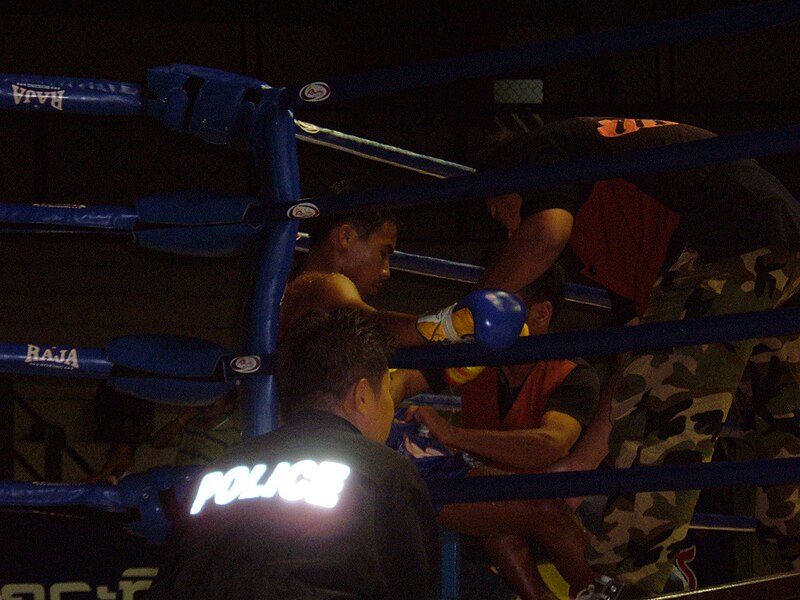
(438, 326)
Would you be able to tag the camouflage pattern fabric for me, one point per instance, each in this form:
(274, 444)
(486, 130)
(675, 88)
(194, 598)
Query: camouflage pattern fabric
(669, 407)
(770, 422)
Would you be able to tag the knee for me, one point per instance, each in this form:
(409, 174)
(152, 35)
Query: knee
(512, 544)
(551, 515)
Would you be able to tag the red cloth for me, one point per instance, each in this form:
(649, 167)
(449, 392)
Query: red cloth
(621, 234)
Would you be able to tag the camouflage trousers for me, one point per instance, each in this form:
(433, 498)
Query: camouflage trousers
(669, 407)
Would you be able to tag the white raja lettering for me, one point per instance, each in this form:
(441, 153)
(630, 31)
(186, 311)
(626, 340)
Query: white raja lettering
(57, 100)
(19, 591)
(19, 94)
(316, 483)
(23, 95)
(63, 358)
(33, 353)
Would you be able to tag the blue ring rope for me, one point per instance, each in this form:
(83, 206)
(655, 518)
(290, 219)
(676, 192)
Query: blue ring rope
(672, 157)
(372, 150)
(645, 337)
(508, 60)
(603, 342)
(601, 482)
(466, 273)
(610, 482)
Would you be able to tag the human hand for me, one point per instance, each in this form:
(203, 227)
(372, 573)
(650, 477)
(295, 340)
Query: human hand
(438, 426)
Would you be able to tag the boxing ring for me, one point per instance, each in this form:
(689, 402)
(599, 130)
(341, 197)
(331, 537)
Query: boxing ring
(229, 109)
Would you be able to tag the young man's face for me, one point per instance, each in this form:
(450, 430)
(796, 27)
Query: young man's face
(505, 209)
(368, 259)
(378, 420)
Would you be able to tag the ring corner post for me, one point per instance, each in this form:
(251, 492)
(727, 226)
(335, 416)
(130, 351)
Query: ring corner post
(275, 153)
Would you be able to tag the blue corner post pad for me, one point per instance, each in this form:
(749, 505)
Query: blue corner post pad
(143, 491)
(217, 106)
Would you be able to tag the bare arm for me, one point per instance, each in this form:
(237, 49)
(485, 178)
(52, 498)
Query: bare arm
(327, 291)
(592, 448)
(405, 383)
(528, 449)
(530, 250)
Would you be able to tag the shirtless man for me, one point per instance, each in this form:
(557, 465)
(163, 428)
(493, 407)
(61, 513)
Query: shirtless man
(349, 260)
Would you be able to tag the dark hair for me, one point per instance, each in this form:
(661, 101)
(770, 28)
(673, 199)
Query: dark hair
(550, 286)
(363, 222)
(323, 354)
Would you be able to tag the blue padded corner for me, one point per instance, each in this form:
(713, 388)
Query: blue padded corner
(193, 208)
(223, 110)
(175, 355)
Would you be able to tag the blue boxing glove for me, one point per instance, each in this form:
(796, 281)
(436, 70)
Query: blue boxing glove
(493, 318)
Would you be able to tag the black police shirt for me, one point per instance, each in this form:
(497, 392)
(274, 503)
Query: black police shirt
(314, 499)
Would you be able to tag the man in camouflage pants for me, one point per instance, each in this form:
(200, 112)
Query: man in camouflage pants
(707, 241)
(669, 408)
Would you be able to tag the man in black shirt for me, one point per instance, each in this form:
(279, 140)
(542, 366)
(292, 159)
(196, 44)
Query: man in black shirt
(705, 241)
(525, 418)
(321, 504)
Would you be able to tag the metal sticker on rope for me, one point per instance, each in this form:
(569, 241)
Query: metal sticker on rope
(303, 210)
(246, 364)
(315, 92)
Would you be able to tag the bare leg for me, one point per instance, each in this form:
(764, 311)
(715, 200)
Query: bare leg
(512, 556)
(548, 521)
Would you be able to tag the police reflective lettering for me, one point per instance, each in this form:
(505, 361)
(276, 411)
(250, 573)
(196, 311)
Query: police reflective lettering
(316, 483)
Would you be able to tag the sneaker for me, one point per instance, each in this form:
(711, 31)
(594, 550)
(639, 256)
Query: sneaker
(603, 588)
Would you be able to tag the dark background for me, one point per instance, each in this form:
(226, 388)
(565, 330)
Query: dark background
(85, 290)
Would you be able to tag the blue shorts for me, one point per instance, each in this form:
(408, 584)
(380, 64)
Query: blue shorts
(433, 460)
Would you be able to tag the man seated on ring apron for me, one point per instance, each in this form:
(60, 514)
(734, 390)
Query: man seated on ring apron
(518, 419)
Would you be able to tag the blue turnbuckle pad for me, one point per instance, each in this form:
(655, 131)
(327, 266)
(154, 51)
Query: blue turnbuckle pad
(217, 106)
